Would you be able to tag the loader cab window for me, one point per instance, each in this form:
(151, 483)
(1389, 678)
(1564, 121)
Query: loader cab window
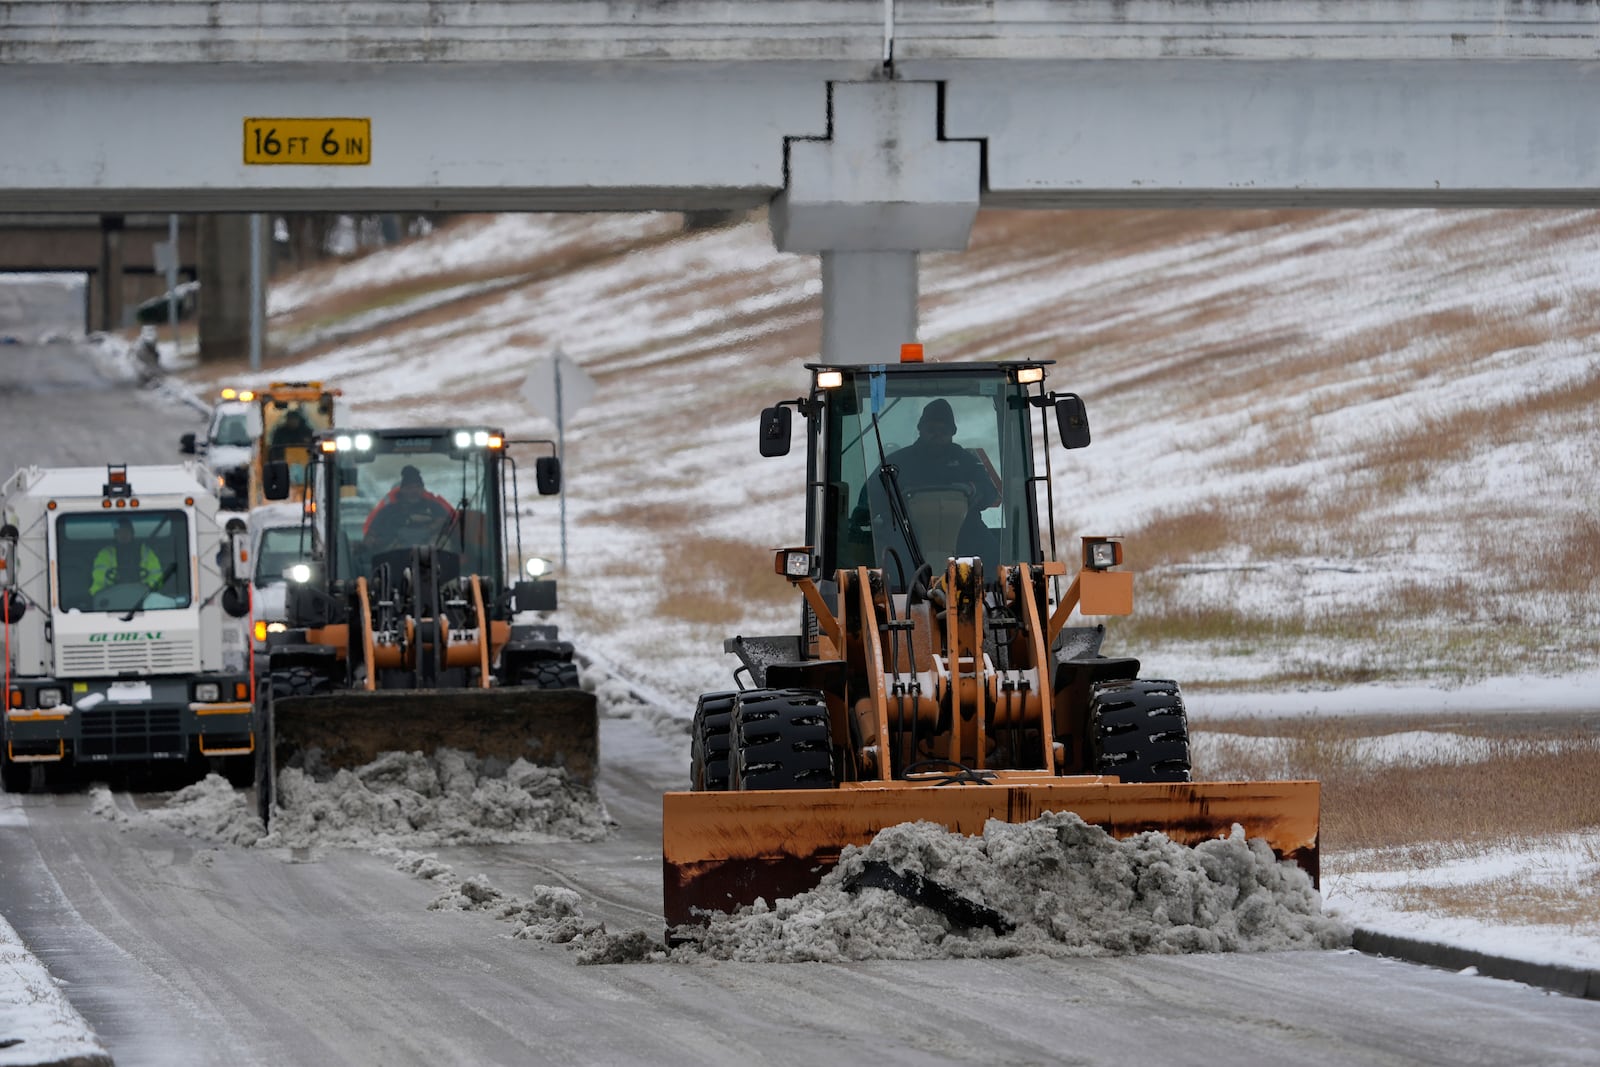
(418, 492)
(961, 452)
(122, 560)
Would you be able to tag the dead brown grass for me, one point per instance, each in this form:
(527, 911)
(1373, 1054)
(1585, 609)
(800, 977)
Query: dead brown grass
(1513, 793)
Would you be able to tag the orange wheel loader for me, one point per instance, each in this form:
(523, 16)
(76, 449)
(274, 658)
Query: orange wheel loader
(403, 629)
(935, 675)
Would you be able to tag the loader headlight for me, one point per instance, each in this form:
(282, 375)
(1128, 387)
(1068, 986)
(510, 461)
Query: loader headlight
(1100, 555)
(538, 567)
(793, 563)
(207, 692)
(49, 698)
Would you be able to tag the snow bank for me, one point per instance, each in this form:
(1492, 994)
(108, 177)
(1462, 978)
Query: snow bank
(1065, 888)
(37, 1024)
(399, 799)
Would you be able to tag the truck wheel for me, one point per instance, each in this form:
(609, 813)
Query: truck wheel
(21, 777)
(1139, 731)
(708, 751)
(781, 740)
(550, 674)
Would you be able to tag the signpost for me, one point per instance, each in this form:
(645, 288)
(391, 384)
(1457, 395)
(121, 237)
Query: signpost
(557, 387)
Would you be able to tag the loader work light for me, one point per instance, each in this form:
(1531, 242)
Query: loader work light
(830, 379)
(363, 441)
(300, 572)
(793, 563)
(1029, 375)
(1100, 554)
(538, 567)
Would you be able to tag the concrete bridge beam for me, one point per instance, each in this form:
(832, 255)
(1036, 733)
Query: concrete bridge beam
(880, 188)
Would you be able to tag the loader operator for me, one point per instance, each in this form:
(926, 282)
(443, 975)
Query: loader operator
(124, 563)
(408, 515)
(932, 462)
(292, 432)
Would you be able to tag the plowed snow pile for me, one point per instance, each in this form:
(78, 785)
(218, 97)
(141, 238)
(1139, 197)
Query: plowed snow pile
(399, 799)
(1067, 888)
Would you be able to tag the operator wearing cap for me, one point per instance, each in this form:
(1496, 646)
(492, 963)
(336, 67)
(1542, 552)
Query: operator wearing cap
(408, 515)
(935, 461)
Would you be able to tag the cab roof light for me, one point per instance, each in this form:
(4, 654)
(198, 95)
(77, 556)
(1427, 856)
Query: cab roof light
(247, 396)
(229, 394)
(911, 352)
(1029, 375)
(328, 444)
(830, 379)
(116, 484)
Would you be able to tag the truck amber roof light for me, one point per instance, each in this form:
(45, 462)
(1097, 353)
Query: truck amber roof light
(247, 396)
(496, 441)
(910, 353)
(328, 444)
(830, 379)
(229, 394)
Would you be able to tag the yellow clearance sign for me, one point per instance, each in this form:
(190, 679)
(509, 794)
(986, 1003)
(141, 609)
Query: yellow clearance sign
(308, 142)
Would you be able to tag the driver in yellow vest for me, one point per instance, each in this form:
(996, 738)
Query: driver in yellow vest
(124, 563)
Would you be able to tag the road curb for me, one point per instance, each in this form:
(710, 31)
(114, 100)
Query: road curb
(1571, 980)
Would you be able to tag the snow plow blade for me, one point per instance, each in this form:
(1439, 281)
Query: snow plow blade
(722, 850)
(551, 727)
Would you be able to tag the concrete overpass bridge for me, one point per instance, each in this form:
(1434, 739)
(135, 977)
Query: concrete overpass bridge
(875, 129)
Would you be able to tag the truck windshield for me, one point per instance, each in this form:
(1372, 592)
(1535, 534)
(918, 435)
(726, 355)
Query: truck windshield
(232, 431)
(278, 550)
(123, 560)
(959, 445)
(416, 492)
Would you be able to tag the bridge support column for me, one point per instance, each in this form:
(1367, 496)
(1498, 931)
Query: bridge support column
(881, 188)
(110, 274)
(223, 242)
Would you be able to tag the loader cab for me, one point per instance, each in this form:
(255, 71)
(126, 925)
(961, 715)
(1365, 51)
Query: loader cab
(380, 494)
(914, 463)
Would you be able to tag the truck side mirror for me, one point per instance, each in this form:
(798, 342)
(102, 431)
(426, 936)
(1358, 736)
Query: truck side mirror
(776, 426)
(239, 551)
(186, 444)
(8, 556)
(547, 475)
(275, 480)
(1072, 421)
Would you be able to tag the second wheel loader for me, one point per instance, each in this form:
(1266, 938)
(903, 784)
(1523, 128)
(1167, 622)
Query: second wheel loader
(935, 675)
(401, 617)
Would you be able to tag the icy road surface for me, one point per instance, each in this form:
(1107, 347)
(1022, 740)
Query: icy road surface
(180, 952)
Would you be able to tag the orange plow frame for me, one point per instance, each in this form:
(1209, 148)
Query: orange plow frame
(722, 850)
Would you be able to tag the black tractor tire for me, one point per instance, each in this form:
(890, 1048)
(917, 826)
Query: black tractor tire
(265, 779)
(709, 737)
(781, 740)
(298, 682)
(550, 674)
(1139, 731)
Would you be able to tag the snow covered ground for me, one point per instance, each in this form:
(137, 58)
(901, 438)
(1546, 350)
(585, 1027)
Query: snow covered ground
(1350, 447)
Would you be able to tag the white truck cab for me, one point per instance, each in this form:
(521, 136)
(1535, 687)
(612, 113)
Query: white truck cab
(227, 446)
(125, 622)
